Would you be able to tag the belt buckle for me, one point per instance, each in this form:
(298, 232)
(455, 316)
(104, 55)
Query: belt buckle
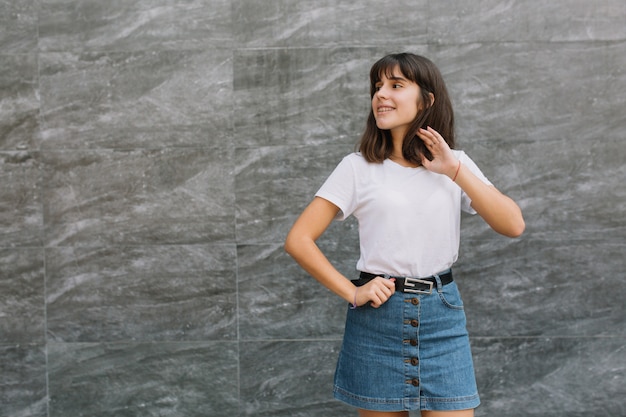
(409, 286)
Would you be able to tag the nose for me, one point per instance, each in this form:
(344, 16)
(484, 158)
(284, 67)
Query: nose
(381, 92)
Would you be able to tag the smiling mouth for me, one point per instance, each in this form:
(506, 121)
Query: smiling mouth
(384, 109)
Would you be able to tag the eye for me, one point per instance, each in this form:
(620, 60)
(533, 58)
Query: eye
(397, 85)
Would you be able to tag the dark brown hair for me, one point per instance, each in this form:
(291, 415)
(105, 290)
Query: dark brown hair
(376, 144)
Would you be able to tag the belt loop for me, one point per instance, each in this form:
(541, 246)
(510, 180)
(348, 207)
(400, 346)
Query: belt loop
(438, 280)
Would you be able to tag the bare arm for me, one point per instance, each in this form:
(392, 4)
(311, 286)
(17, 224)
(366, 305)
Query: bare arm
(500, 212)
(301, 245)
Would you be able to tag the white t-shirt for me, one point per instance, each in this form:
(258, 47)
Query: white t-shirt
(409, 218)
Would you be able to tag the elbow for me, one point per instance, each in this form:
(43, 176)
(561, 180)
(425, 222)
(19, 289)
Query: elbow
(516, 228)
(290, 246)
(514, 225)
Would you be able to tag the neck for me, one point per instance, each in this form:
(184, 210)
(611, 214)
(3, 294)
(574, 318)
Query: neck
(397, 138)
(400, 160)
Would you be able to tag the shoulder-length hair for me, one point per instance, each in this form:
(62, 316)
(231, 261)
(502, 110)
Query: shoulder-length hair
(376, 144)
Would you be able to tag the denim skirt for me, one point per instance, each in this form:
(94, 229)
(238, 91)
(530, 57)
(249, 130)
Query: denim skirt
(411, 353)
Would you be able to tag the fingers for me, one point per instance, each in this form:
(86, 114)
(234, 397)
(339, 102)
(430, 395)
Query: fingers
(430, 137)
(379, 290)
(443, 159)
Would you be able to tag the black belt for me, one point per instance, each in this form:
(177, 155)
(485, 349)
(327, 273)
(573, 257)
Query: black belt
(408, 284)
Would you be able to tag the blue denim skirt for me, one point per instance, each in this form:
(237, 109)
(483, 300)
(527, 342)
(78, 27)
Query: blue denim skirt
(412, 353)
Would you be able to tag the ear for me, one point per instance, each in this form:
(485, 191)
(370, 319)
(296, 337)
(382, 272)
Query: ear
(432, 98)
(420, 107)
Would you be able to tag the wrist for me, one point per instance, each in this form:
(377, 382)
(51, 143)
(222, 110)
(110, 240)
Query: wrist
(353, 303)
(455, 172)
(347, 292)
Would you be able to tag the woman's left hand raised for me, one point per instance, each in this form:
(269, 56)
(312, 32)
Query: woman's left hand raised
(444, 162)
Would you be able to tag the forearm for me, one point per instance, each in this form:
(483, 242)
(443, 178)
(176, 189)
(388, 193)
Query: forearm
(308, 255)
(499, 211)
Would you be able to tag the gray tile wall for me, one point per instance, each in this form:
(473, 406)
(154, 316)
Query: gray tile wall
(154, 154)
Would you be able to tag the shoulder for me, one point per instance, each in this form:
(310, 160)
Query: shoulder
(354, 157)
(357, 160)
(460, 154)
(463, 156)
(354, 160)
(473, 166)
(354, 166)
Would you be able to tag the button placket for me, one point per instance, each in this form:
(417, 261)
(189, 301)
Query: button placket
(411, 340)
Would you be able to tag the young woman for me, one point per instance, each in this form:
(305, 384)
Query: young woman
(405, 344)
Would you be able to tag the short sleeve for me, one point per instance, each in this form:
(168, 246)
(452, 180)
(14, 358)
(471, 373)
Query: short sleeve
(465, 200)
(340, 188)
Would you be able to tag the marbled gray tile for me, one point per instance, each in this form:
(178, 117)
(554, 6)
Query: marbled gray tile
(148, 293)
(531, 287)
(156, 153)
(23, 380)
(167, 196)
(535, 92)
(573, 194)
(289, 378)
(274, 184)
(137, 380)
(124, 99)
(554, 377)
(328, 23)
(22, 312)
(479, 21)
(133, 137)
(19, 101)
(516, 21)
(278, 300)
(122, 25)
(577, 20)
(548, 143)
(21, 215)
(578, 194)
(18, 26)
(308, 96)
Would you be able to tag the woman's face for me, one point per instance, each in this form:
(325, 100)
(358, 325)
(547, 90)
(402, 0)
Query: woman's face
(396, 103)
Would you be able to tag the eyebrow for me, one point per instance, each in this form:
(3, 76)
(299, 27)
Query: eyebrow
(393, 78)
